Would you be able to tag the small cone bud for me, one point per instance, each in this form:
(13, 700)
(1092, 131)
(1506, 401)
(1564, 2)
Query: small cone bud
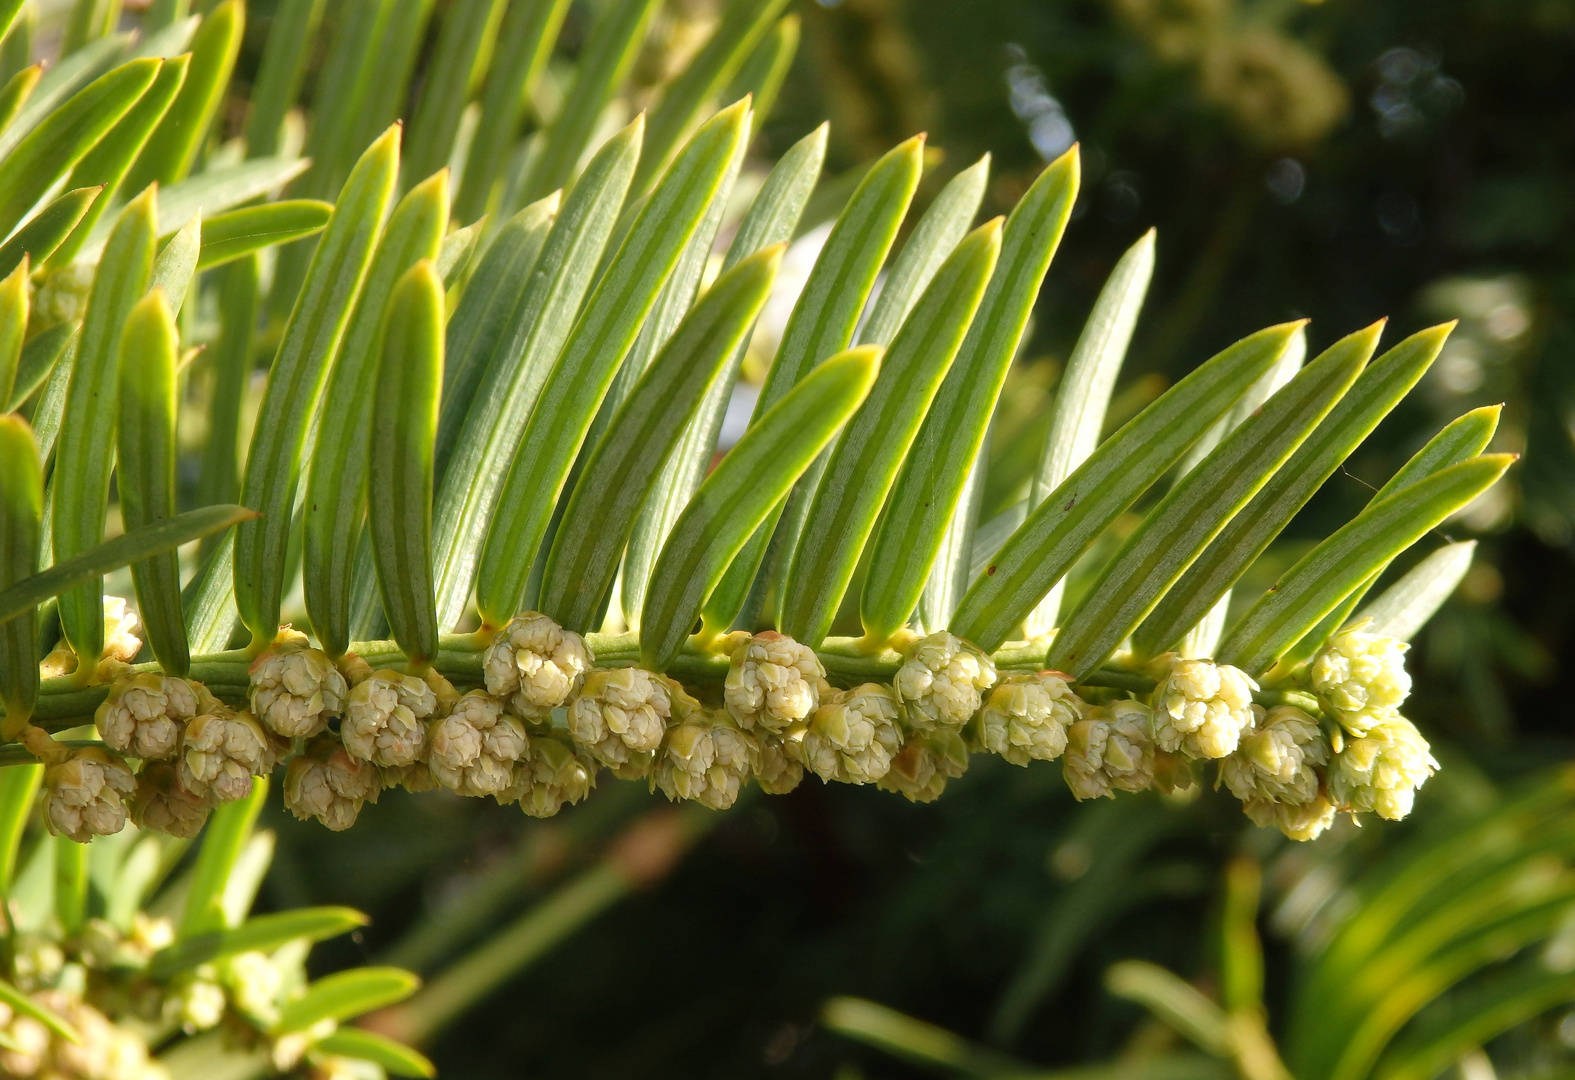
(105, 947)
(386, 718)
(776, 764)
(620, 716)
(36, 961)
(222, 751)
(414, 778)
(942, 681)
(550, 775)
(474, 748)
(121, 646)
(254, 983)
(1025, 717)
(28, 1050)
(120, 640)
(295, 690)
(1361, 677)
(1299, 821)
(853, 736)
(84, 795)
(144, 714)
(326, 783)
(1110, 750)
(1173, 772)
(773, 682)
(105, 1052)
(705, 757)
(164, 804)
(1201, 708)
(927, 760)
(195, 1001)
(1382, 770)
(536, 664)
(1278, 759)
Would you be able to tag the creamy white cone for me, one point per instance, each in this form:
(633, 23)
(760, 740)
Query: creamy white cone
(85, 795)
(942, 682)
(164, 804)
(1361, 677)
(1381, 771)
(326, 783)
(1201, 708)
(474, 748)
(551, 775)
(386, 718)
(535, 664)
(620, 716)
(1109, 750)
(296, 690)
(222, 751)
(144, 715)
(927, 760)
(773, 683)
(1024, 717)
(853, 736)
(1278, 759)
(705, 758)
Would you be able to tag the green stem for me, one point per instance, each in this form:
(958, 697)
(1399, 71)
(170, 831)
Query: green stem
(17, 754)
(64, 703)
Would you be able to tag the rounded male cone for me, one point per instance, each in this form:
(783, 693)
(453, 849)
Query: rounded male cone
(705, 757)
(144, 714)
(26, 1045)
(1110, 749)
(223, 750)
(164, 804)
(620, 717)
(1025, 717)
(776, 765)
(473, 749)
(1361, 677)
(254, 983)
(535, 664)
(106, 947)
(1382, 770)
(853, 736)
(1201, 708)
(1298, 821)
(326, 783)
(551, 775)
(195, 1000)
(84, 796)
(927, 760)
(773, 682)
(105, 1051)
(386, 718)
(942, 682)
(414, 778)
(295, 690)
(1278, 759)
